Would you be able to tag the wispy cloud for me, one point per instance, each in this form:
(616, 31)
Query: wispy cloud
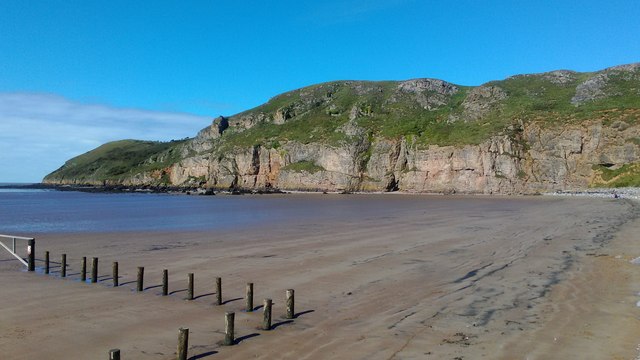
(38, 132)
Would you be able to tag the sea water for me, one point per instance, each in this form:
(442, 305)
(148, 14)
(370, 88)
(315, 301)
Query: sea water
(28, 212)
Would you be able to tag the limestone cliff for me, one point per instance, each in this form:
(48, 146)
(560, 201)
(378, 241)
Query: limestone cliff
(529, 133)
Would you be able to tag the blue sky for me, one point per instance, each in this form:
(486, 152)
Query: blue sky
(77, 73)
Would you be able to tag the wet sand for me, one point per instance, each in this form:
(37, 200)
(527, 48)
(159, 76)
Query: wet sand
(443, 278)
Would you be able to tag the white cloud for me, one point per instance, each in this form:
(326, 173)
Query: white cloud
(39, 132)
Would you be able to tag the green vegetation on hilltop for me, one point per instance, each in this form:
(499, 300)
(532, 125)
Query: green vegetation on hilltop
(118, 159)
(538, 97)
(532, 93)
(314, 126)
(381, 110)
(318, 112)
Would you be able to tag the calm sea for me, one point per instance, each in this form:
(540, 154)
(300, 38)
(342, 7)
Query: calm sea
(27, 212)
(48, 211)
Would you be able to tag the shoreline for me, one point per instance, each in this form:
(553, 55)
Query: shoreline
(470, 278)
(626, 192)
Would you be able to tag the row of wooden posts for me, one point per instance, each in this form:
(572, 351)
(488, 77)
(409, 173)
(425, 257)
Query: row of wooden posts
(229, 322)
(183, 336)
(165, 280)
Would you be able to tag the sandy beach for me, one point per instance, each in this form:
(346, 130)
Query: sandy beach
(448, 277)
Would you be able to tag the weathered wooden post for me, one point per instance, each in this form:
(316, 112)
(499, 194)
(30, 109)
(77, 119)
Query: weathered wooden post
(31, 251)
(114, 354)
(165, 282)
(114, 270)
(140, 278)
(229, 339)
(290, 304)
(63, 266)
(94, 270)
(219, 291)
(183, 343)
(190, 287)
(83, 272)
(46, 262)
(266, 319)
(249, 297)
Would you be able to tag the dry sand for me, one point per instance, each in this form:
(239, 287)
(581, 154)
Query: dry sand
(451, 278)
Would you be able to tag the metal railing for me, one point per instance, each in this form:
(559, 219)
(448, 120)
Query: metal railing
(29, 262)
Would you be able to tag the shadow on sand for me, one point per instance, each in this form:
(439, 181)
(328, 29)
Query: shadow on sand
(230, 300)
(203, 355)
(203, 295)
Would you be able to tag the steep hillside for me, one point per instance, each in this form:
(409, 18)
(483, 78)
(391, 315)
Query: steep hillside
(528, 133)
(117, 161)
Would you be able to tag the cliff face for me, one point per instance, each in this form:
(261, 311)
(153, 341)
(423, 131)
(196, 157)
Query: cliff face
(529, 159)
(531, 133)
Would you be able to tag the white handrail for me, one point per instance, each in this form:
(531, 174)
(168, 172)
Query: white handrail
(13, 251)
(16, 237)
(14, 254)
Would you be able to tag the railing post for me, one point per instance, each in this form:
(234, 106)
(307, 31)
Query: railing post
(83, 271)
(218, 291)
(165, 282)
(14, 245)
(183, 343)
(229, 338)
(249, 298)
(31, 251)
(94, 270)
(290, 304)
(46, 262)
(114, 354)
(266, 319)
(114, 270)
(190, 287)
(140, 281)
(63, 266)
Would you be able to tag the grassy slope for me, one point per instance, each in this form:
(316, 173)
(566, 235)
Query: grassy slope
(385, 117)
(118, 160)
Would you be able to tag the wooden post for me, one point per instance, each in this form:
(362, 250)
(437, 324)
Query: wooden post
(46, 262)
(219, 291)
(140, 278)
(83, 272)
(190, 287)
(290, 304)
(266, 319)
(114, 354)
(94, 270)
(229, 339)
(63, 266)
(114, 270)
(165, 282)
(183, 343)
(249, 297)
(31, 251)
